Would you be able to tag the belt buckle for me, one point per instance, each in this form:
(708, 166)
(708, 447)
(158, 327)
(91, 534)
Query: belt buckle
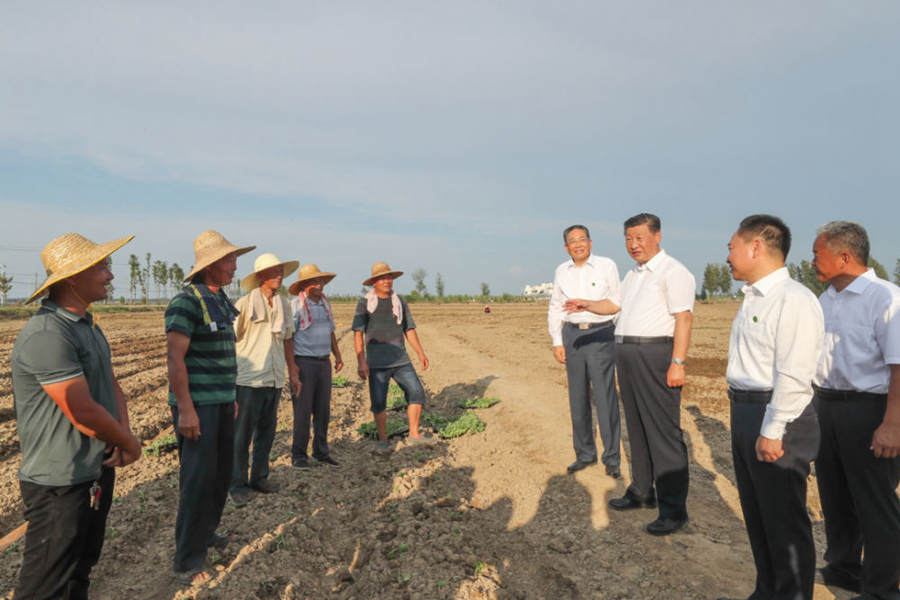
(584, 325)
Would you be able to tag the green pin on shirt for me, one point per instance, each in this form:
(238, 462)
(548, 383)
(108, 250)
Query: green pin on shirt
(755, 319)
(593, 283)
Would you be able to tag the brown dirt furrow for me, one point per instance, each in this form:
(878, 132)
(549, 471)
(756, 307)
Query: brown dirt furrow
(492, 515)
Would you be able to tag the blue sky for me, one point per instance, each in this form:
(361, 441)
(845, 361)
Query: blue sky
(456, 137)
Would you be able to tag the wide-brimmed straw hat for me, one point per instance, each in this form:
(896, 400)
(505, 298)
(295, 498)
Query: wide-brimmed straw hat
(263, 262)
(306, 273)
(379, 269)
(211, 246)
(71, 254)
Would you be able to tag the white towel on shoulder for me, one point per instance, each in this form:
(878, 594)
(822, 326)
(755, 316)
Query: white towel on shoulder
(259, 311)
(396, 308)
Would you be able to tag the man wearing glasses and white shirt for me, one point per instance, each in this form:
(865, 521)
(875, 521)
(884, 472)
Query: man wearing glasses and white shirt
(652, 337)
(585, 343)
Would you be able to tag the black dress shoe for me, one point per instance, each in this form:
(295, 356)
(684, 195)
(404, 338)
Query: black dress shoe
(327, 460)
(666, 526)
(613, 471)
(578, 465)
(837, 577)
(626, 502)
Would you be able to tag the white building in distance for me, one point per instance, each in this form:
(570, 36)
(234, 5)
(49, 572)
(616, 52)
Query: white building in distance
(544, 289)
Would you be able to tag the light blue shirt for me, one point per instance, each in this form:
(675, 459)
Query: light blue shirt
(315, 340)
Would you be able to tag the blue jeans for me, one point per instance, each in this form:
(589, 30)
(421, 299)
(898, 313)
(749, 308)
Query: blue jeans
(256, 420)
(406, 378)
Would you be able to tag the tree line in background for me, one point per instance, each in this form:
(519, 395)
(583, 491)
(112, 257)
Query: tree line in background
(717, 282)
(165, 279)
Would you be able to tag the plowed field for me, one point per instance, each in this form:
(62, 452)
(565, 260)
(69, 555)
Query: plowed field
(491, 515)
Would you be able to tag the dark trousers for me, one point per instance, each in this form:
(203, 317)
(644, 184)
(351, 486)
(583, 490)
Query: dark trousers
(858, 493)
(591, 363)
(653, 418)
(203, 481)
(773, 499)
(256, 420)
(64, 537)
(314, 401)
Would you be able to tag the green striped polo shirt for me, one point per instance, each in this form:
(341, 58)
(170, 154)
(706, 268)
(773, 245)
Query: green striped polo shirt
(210, 360)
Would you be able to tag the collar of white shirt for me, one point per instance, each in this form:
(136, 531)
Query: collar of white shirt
(652, 264)
(589, 261)
(857, 286)
(764, 285)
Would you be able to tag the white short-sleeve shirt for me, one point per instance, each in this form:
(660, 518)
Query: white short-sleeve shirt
(652, 294)
(596, 279)
(862, 335)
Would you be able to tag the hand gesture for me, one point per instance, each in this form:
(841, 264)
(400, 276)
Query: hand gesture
(886, 441)
(559, 353)
(189, 424)
(768, 450)
(574, 305)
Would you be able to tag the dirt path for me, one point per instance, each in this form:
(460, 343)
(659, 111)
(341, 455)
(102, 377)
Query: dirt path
(488, 515)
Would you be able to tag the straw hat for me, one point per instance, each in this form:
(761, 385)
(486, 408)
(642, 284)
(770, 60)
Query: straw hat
(379, 269)
(263, 262)
(71, 254)
(211, 246)
(306, 273)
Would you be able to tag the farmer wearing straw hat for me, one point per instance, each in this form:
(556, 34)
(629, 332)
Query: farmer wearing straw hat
(202, 366)
(264, 329)
(382, 320)
(72, 421)
(314, 342)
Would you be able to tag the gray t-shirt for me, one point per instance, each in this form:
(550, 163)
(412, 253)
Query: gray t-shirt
(385, 342)
(57, 345)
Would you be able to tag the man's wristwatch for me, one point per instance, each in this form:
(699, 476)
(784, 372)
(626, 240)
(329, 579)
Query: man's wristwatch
(678, 361)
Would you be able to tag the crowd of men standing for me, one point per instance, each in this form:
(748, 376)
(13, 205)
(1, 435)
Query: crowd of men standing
(809, 380)
(226, 363)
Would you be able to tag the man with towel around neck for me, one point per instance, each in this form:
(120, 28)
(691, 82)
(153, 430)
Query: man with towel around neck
(381, 322)
(314, 342)
(264, 329)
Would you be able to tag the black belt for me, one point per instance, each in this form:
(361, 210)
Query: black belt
(321, 358)
(589, 325)
(756, 396)
(849, 395)
(640, 339)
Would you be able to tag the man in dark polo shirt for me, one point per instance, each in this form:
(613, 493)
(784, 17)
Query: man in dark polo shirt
(202, 395)
(72, 422)
(381, 323)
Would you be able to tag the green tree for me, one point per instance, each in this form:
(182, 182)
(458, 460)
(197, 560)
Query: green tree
(6, 282)
(419, 276)
(724, 279)
(160, 276)
(485, 290)
(716, 280)
(439, 283)
(176, 276)
(897, 272)
(805, 273)
(710, 280)
(135, 265)
(879, 268)
(145, 281)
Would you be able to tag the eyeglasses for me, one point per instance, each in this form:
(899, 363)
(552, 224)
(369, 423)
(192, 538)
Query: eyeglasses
(579, 240)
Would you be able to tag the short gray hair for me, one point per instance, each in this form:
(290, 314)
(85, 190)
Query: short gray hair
(846, 236)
